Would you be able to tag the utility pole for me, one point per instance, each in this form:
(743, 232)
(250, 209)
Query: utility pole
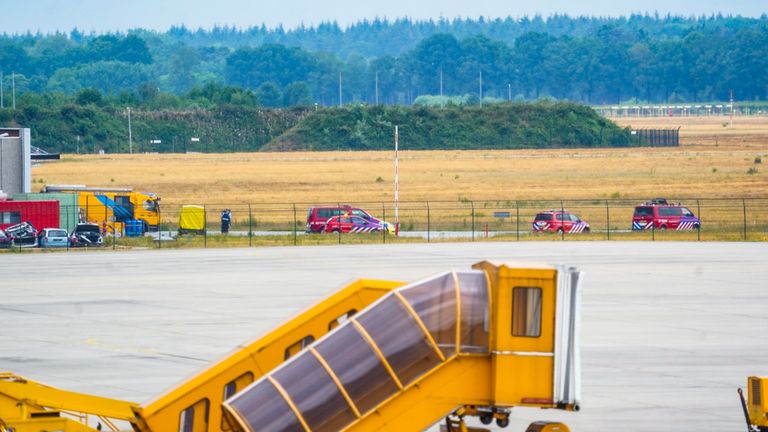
(130, 134)
(397, 216)
(13, 89)
(2, 96)
(481, 87)
(442, 105)
(376, 96)
(509, 87)
(341, 101)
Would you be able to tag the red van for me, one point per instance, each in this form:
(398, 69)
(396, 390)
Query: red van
(318, 216)
(663, 217)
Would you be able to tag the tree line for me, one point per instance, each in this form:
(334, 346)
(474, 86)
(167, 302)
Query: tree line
(89, 124)
(585, 59)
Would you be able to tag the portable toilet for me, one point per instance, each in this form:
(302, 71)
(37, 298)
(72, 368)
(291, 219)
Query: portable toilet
(192, 220)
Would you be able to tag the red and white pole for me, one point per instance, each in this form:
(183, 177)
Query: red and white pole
(731, 108)
(397, 214)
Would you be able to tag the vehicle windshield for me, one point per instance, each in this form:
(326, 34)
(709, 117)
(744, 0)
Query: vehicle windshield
(151, 205)
(57, 233)
(544, 217)
(643, 211)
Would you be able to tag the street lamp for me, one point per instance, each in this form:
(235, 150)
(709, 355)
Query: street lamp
(130, 134)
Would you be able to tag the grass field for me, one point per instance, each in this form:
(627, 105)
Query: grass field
(713, 161)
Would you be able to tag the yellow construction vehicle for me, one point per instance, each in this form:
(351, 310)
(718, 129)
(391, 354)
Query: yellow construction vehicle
(376, 355)
(119, 210)
(756, 406)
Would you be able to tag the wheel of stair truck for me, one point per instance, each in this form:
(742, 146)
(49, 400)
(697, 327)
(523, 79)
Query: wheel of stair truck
(486, 419)
(502, 422)
(547, 426)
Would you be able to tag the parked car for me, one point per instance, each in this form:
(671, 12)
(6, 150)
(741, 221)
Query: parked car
(663, 217)
(351, 224)
(86, 234)
(559, 221)
(53, 237)
(317, 217)
(5, 240)
(22, 235)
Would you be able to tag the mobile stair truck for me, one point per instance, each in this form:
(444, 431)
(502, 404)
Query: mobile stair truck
(114, 208)
(376, 355)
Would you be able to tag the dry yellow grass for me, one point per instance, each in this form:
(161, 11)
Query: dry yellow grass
(700, 168)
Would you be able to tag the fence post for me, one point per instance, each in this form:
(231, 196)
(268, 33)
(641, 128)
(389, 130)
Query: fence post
(608, 219)
(159, 229)
(698, 229)
(67, 227)
(517, 218)
(295, 235)
(205, 227)
(339, 231)
(250, 226)
(473, 220)
(383, 218)
(562, 220)
(653, 230)
(429, 223)
(744, 207)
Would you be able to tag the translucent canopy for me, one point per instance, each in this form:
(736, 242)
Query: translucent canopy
(353, 369)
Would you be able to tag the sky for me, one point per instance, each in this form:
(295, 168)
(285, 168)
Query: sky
(109, 15)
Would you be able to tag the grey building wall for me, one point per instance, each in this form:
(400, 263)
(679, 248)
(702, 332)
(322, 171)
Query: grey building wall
(15, 161)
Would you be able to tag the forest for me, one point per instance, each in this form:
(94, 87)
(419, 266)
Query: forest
(590, 60)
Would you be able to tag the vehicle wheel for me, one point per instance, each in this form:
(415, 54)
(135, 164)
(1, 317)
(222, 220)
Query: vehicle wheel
(559, 230)
(486, 419)
(663, 227)
(335, 231)
(586, 230)
(502, 422)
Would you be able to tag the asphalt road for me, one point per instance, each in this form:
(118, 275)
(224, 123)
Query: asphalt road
(669, 329)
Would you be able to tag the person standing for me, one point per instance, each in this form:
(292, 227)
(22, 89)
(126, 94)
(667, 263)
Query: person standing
(226, 220)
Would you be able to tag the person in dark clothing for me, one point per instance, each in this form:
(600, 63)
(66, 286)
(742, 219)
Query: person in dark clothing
(226, 220)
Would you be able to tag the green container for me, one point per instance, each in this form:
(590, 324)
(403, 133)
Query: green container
(69, 213)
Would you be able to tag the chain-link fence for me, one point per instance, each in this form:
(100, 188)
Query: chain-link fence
(282, 224)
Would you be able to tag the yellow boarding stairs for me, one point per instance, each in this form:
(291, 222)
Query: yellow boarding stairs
(467, 343)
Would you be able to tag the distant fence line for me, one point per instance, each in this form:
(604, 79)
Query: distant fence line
(684, 110)
(733, 219)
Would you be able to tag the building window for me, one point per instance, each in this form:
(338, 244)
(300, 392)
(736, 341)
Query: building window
(526, 312)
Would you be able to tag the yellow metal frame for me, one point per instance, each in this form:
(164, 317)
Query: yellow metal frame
(29, 406)
(757, 401)
(516, 371)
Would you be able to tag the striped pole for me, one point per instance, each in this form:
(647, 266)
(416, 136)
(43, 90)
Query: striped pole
(397, 214)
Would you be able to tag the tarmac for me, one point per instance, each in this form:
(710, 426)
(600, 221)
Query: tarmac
(669, 330)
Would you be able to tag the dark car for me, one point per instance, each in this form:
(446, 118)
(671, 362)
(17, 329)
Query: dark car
(86, 234)
(5, 240)
(22, 235)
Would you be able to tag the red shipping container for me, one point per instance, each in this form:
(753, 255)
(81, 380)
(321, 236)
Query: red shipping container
(41, 214)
